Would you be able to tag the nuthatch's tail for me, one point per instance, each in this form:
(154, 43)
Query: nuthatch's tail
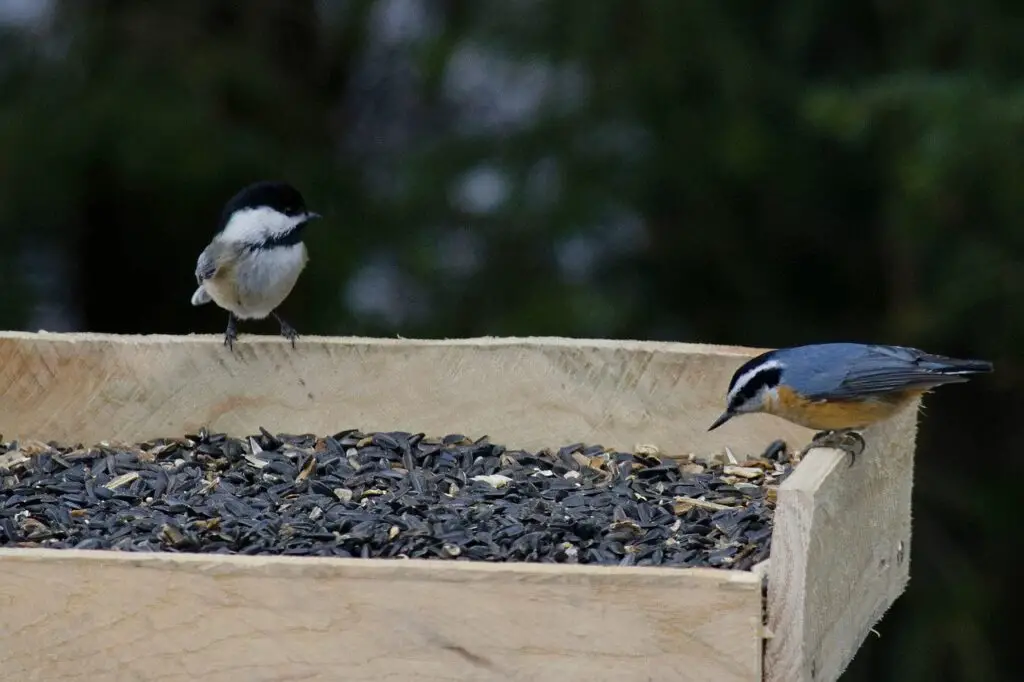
(201, 296)
(954, 367)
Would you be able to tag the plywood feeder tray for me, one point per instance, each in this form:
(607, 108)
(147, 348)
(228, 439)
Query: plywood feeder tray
(839, 556)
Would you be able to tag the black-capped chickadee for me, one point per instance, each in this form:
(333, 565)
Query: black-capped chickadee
(257, 256)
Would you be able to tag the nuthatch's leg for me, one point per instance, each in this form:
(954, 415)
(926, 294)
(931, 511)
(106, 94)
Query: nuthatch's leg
(231, 334)
(287, 331)
(850, 442)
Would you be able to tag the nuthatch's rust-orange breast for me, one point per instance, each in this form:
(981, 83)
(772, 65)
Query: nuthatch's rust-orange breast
(838, 388)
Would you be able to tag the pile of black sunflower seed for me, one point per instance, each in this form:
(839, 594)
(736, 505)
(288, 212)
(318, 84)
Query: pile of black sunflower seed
(396, 495)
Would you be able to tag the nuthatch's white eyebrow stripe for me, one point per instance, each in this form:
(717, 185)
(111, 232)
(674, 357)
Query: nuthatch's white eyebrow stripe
(743, 379)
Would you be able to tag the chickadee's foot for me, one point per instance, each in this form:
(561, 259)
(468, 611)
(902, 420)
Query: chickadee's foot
(849, 442)
(231, 334)
(287, 331)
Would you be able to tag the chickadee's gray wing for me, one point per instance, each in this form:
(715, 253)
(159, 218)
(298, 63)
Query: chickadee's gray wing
(883, 369)
(206, 266)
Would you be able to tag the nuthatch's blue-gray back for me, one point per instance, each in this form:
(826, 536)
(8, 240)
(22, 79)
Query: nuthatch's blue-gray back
(838, 388)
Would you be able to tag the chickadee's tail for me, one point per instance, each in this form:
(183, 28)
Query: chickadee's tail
(201, 296)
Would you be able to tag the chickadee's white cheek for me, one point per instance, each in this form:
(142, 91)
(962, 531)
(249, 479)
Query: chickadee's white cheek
(256, 224)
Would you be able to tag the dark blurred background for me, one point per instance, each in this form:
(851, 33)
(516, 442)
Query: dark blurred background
(747, 173)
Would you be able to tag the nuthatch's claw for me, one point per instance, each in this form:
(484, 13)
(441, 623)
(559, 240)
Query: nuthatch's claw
(775, 451)
(850, 442)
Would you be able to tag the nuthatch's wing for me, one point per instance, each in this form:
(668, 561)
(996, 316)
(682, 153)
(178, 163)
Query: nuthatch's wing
(885, 369)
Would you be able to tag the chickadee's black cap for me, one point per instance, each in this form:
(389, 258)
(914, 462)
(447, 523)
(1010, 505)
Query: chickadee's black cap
(279, 196)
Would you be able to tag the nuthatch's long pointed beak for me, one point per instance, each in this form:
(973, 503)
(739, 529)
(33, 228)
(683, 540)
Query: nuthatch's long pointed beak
(726, 416)
(310, 215)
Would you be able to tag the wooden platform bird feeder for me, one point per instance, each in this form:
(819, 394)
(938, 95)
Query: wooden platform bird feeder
(839, 555)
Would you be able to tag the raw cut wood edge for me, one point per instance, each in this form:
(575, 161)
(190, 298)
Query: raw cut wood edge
(522, 392)
(840, 552)
(106, 616)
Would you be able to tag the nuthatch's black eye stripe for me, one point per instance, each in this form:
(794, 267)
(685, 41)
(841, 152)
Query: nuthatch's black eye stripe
(768, 377)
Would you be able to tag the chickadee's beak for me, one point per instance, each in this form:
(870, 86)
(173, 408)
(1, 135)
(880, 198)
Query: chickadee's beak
(726, 416)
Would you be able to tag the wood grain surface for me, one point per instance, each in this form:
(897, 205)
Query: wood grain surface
(95, 616)
(528, 393)
(840, 552)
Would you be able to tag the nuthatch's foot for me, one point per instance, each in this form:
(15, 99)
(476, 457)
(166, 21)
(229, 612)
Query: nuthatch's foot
(287, 331)
(849, 442)
(775, 451)
(231, 334)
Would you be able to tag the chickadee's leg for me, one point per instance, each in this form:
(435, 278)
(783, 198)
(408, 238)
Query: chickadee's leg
(232, 333)
(287, 331)
(850, 442)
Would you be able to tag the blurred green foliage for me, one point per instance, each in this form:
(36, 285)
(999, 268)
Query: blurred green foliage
(752, 173)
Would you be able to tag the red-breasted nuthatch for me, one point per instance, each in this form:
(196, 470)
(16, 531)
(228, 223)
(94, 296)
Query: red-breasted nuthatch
(256, 258)
(839, 388)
